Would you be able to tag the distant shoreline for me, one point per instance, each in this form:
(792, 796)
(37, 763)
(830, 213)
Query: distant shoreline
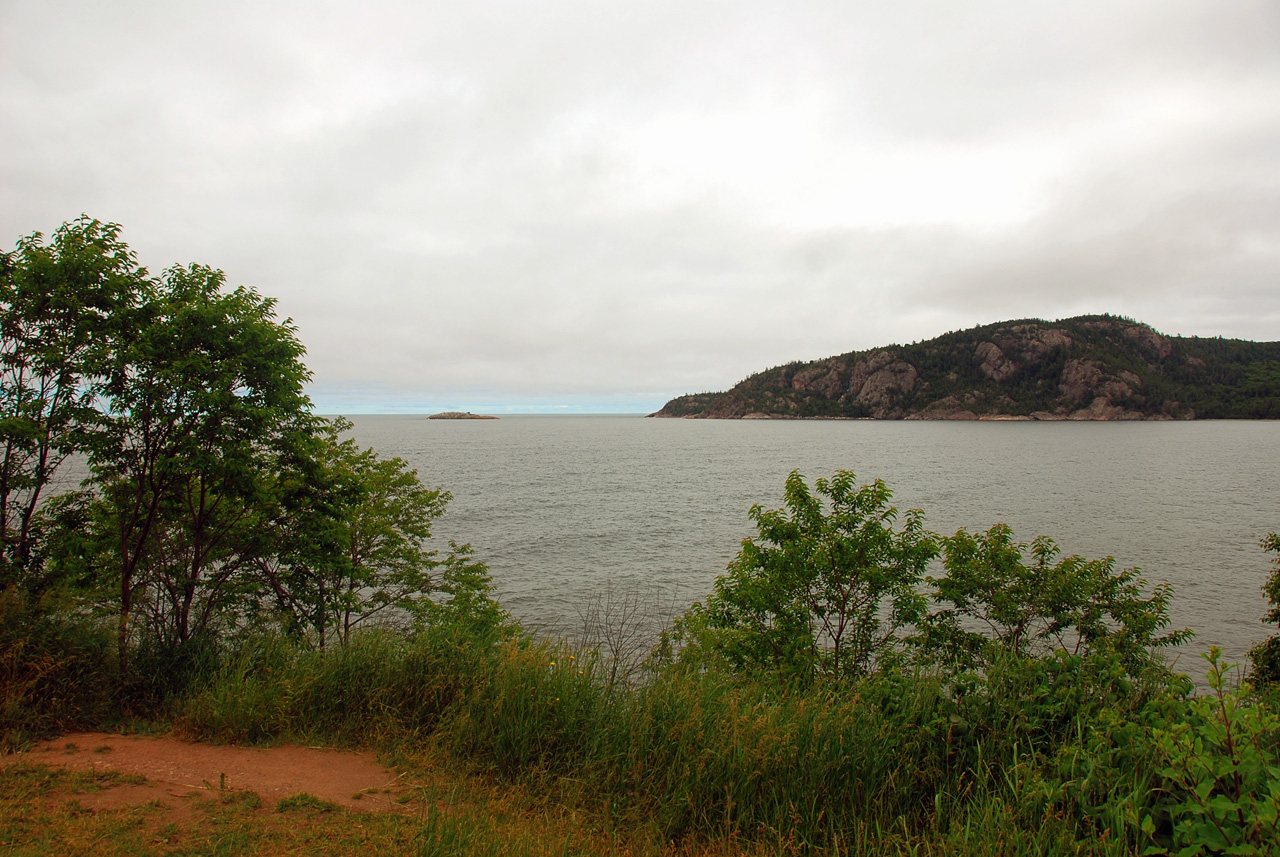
(460, 415)
(963, 417)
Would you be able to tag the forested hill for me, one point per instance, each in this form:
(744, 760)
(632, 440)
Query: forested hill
(1098, 367)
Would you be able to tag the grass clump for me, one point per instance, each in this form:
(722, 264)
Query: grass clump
(52, 675)
(381, 687)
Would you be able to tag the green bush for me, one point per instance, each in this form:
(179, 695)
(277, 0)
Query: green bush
(1221, 774)
(56, 672)
(164, 673)
(1183, 775)
(1264, 658)
(1264, 663)
(380, 687)
(1036, 607)
(823, 592)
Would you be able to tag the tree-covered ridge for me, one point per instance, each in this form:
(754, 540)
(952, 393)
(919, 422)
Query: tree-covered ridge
(1098, 367)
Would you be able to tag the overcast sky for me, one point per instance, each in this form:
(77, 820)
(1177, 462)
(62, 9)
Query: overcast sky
(598, 205)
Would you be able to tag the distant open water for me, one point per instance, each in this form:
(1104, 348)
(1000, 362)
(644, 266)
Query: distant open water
(563, 507)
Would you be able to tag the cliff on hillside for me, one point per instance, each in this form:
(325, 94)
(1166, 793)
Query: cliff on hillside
(1097, 367)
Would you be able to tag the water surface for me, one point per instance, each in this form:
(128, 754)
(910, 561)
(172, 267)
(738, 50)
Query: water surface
(563, 507)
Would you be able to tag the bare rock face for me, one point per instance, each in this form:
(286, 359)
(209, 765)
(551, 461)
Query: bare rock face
(1108, 396)
(1079, 377)
(1032, 341)
(1052, 338)
(995, 365)
(823, 379)
(1102, 408)
(1153, 345)
(881, 385)
(1115, 390)
(949, 408)
(864, 369)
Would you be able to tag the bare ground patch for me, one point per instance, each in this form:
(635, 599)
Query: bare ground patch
(178, 775)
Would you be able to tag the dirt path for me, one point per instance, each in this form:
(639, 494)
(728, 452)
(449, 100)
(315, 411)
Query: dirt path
(180, 772)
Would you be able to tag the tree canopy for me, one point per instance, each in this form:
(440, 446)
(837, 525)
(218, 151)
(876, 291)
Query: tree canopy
(63, 306)
(217, 501)
(832, 588)
(819, 593)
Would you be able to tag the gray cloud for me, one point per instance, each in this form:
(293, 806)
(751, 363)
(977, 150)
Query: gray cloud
(608, 204)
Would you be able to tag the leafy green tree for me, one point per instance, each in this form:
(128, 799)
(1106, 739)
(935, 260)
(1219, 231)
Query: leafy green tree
(1030, 609)
(348, 537)
(1264, 658)
(819, 593)
(194, 577)
(200, 401)
(463, 600)
(59, 306)
(1271, 588)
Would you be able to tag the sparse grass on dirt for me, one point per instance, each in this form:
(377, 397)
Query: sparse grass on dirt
(50, 811)
(47, 810)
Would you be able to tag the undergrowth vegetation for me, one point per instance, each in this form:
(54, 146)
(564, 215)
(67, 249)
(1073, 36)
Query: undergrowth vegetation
(1000, 747)
(1033, 756)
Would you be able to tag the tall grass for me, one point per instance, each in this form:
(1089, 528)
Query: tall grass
(55, 672)
(699, 753)
(688, 753)
(1048, 755)
(381, 687)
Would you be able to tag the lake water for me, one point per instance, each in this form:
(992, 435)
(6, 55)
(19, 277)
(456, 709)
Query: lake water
(564, 508)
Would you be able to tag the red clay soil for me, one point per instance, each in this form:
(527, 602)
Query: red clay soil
(181, 770)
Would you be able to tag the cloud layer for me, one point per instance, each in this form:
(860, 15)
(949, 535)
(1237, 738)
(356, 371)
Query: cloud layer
(599, 206)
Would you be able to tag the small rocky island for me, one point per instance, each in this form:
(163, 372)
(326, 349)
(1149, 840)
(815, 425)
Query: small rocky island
(459, 415)
(1099, 367)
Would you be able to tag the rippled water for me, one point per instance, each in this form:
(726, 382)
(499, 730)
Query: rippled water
(562, 507)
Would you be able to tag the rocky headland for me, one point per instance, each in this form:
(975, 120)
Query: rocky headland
(1084, 368)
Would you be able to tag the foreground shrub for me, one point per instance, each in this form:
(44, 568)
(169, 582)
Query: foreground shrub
(56, 673)
(379, 687)
(1031, 602)
(1264, 658)
(1184, 775)
(1221, 774)
(818, 594)
(162, 674)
